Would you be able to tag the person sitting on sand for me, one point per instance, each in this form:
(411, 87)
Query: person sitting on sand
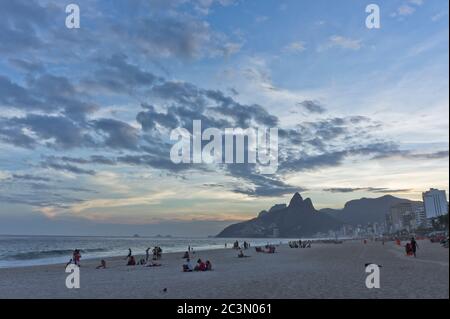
(131, 261)
(201, 266)
(187, 267)
(208, 265)
(186, 255)
(102, 265)
(153, 264)
(241, 254)
(142, 261)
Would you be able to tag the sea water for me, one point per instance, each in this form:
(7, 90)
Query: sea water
(18, 251)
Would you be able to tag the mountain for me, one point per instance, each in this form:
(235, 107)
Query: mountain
(298, 219)
(364, 210)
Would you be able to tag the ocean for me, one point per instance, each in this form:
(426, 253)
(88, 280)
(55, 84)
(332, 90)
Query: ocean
(19, 251)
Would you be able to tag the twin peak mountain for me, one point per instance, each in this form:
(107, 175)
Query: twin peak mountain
(301, 219)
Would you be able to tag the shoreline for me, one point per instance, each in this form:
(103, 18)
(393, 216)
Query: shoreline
(102, 254)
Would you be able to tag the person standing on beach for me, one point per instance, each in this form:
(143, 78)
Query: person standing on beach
(129, 253)
(147, 254)
(414, 246)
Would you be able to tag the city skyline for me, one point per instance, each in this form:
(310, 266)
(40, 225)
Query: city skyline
(86, 114)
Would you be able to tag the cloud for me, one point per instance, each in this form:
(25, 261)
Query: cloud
(27, 65)
(414, 156)
(382, 190)
(14, 95)
(295, 47)
(179, 35)
(116, 75)
(261, 19)
(67, 168)
(28, 177)
(416, 2)
(117, 134)
(257, 185)
(337, 41)
(312, 106)
(19, 22)
(45, 92)
(439, 16)
(408, 8)
(405, 10)
(53, 131)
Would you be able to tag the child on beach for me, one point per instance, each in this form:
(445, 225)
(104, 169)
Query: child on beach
(408, 249)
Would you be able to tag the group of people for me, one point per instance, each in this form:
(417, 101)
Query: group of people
(236, 245)
(269, 249)
(200, 266)
(411, 247)
(157, 254)
(300, 244)
(76, 257)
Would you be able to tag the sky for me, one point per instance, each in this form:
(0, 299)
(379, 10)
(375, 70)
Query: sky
(86, 113)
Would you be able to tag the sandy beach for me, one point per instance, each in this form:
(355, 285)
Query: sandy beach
(323, 271)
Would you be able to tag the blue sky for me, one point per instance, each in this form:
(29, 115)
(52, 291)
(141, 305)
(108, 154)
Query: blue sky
(85, 114)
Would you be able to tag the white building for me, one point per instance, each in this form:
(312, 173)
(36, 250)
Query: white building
(435, 203)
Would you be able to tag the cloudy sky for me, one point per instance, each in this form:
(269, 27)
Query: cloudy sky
(86, 114)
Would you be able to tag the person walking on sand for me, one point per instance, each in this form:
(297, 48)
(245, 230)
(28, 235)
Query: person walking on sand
(414, 246)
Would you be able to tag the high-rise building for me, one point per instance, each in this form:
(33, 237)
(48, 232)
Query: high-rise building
(398, 213)
(406, 216)
(435, 203)
(421, 217)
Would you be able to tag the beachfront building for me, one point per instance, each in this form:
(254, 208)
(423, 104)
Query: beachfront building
(421, 217)
(406, 216)
(435, 203)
